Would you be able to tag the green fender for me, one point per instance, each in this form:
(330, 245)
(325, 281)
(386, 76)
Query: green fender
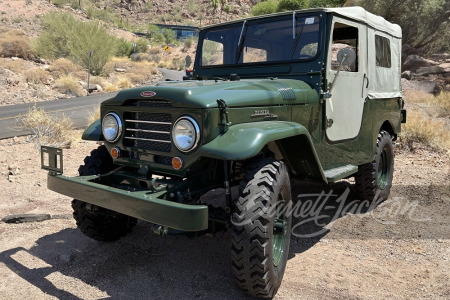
(93, 132)
(244, 141)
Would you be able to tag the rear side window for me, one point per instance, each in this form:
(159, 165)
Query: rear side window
(382, 51)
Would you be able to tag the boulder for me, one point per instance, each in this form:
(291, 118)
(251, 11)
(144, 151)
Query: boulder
(119, 70)
(414, 62)
(406, 75)
(430, 70)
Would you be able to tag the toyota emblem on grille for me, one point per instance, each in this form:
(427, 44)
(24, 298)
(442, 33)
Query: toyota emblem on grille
(148, 94)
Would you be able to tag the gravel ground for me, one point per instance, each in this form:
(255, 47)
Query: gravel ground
(397, 250)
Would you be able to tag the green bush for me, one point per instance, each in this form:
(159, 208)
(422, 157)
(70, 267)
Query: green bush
(284, 5)
(326, 3)
(124, 48)
(141, 45)
(264, 8)
(64, 36)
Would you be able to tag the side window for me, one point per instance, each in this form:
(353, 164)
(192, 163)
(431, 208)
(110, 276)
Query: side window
(382, 51)
(212, 53)
(344, 36)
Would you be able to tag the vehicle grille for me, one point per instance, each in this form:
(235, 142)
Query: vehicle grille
(148, 103)
(149, 131)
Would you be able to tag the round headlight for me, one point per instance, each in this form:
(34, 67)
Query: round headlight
(111, 127)
(185, 134)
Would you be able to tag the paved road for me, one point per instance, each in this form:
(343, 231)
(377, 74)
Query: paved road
(75, 108)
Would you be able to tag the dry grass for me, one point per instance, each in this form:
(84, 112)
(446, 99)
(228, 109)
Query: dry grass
(69, 85)
(14, 65)
(123, 82)
(36, 76)
(110, 88)
(427, 120)
(98, 80)
(436, 106)
(48, 130)
(93, 115)
(15, 43)
(64, 67)
(136, 72)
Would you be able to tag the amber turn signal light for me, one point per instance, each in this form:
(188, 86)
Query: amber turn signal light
(115, 152)
(177, 163)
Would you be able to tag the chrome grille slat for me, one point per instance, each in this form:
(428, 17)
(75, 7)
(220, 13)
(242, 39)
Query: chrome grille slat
(150, 140)
(149, 131)
(148, 122)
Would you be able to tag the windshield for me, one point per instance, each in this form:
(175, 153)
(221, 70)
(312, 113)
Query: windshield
(262, 40)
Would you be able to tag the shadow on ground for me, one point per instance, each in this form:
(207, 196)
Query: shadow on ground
(143, 265)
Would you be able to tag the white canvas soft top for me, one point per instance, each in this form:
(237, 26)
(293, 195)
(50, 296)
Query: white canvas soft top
(360, 14)
(356, 13)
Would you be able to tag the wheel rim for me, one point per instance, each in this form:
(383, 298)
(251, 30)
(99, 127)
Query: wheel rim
(383, 169)
(279, 232)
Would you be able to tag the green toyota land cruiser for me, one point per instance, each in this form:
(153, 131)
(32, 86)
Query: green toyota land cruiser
(312, 94)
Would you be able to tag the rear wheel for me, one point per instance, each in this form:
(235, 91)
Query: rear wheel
(96, 222)
(261, 228)
(375, 179)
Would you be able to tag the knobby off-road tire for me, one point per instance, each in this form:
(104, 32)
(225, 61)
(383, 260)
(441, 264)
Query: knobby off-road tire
(99, 223)
(375, 178)
(260, 237)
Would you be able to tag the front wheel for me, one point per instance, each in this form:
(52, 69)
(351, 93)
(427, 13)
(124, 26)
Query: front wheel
(96, 222)
(374, 180)
(261, 228)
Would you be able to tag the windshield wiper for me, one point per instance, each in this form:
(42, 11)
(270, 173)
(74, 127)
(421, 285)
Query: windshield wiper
(240, 43)
(297, 39)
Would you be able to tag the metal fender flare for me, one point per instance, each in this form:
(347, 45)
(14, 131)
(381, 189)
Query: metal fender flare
(244, 141)
(93, 132)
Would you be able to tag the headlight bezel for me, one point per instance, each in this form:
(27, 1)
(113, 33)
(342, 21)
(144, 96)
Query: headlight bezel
(119, 126)
(196, 133)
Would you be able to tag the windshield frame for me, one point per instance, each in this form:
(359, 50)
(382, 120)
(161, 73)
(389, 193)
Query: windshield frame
(248, 22)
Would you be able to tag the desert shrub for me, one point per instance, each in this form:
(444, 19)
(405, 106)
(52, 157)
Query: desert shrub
(265, 7)
(187, 44)
(124, 48)
(427, 131)
(284, 5)
(15, 66)
(435, 106)
(36, 75)
(69, 85)
(14, 42)
(48, 130)
(64, 36)
(59, 3)
(64, 67)
(93, 115)
(98, 80)
(141, 45)
(110, 88)
(123, 82)
(326, 3)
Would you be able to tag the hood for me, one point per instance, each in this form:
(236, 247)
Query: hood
(204, 94)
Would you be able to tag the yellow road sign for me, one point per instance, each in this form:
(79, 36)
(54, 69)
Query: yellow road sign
(166, 48)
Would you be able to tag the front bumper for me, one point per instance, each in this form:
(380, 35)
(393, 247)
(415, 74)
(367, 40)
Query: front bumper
(146, 205)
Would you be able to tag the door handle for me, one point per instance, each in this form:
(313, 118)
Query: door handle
(367, 84)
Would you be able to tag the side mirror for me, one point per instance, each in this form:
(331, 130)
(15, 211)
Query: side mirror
(187, 63)
(346, 57)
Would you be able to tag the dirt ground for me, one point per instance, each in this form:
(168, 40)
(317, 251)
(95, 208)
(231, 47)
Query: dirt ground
(397, 250)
